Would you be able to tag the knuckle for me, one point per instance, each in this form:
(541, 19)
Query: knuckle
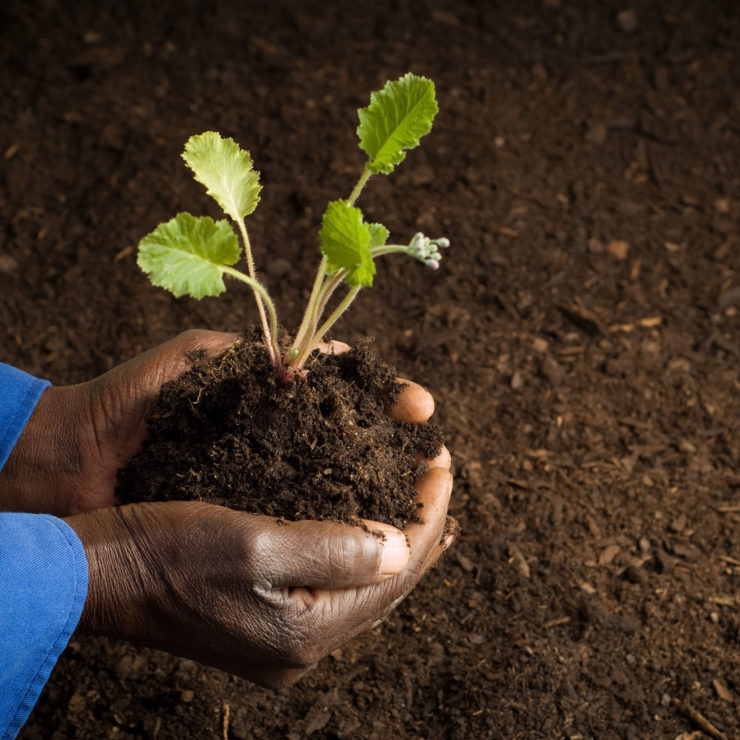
(258, 547)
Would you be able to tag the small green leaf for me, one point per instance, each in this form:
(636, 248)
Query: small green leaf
(345, 243)
(397, 117)
(378, 235)
(226, 171)
(183, 255)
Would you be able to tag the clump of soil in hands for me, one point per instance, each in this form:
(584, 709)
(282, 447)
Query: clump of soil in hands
(229, 432)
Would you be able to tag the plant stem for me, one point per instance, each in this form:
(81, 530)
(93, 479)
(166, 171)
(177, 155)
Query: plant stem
(338, 311)
(355, 194)
(389, 249)
(259, 295)
(260, 292)
(316, 308)
(327, 290)
(319, 335)
(311, 315)
(307, 336)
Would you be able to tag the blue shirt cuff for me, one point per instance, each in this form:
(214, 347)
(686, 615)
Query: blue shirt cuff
(43, 582)
(19, 394)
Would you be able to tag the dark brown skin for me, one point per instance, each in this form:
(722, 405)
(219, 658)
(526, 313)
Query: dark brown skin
(242, 592)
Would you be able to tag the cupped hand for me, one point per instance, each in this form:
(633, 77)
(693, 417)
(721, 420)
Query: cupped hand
(258, 597)
(250, 594)
(66, 459)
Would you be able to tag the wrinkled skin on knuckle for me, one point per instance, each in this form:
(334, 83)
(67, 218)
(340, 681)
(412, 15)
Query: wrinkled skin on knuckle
(307, 637)
(247, 631)
(290, 630)
(261, 557)
(272, 623)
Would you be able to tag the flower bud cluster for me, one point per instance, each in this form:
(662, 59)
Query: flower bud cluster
(426, 250)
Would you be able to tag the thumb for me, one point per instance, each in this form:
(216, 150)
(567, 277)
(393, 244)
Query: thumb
(330, 555)
(171, 359)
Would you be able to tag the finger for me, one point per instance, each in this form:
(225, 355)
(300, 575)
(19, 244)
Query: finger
(434, 490)
(414, 403)
(167, 361)
(329, 555)
(193, 340)
(428, 539)
(360, 608)
(449, 535)
(450, 532)
(333, 347)
(442, 460)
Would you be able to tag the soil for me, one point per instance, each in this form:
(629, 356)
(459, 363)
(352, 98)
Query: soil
(580, 338)
(322, 446)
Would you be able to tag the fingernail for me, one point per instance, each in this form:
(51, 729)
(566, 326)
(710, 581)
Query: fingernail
(395, 552)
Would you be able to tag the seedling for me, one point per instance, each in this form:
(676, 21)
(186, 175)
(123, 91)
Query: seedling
(190, 255)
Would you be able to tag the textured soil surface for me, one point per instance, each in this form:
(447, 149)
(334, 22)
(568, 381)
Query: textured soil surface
(582, 337)
(322, 446)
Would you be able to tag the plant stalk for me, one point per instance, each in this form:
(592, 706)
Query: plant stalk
(311, 315)
(259, 296)
(355, 194)
(389, 249)
(323, 288)
(319, 335)
(330, 285)
(262, 295)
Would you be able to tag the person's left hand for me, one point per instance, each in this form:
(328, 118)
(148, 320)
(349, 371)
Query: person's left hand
(66, 459)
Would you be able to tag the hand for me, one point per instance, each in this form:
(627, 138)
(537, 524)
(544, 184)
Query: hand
(77, 438)
(245, 593)
(65, 461)
(242, 592)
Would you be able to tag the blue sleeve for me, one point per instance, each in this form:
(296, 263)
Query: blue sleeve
(43, 582)
(43, 575)
(19, 394)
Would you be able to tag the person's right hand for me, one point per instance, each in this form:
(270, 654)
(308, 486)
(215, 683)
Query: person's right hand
(249, 594)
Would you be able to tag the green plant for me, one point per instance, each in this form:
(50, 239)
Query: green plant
(190, 255)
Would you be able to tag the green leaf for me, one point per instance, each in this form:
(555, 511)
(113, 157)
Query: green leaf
(397, 117)
(184, 255)
(345, 243)
(378, 235)
(226, 171)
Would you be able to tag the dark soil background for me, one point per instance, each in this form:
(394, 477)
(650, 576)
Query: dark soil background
(581, 337)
